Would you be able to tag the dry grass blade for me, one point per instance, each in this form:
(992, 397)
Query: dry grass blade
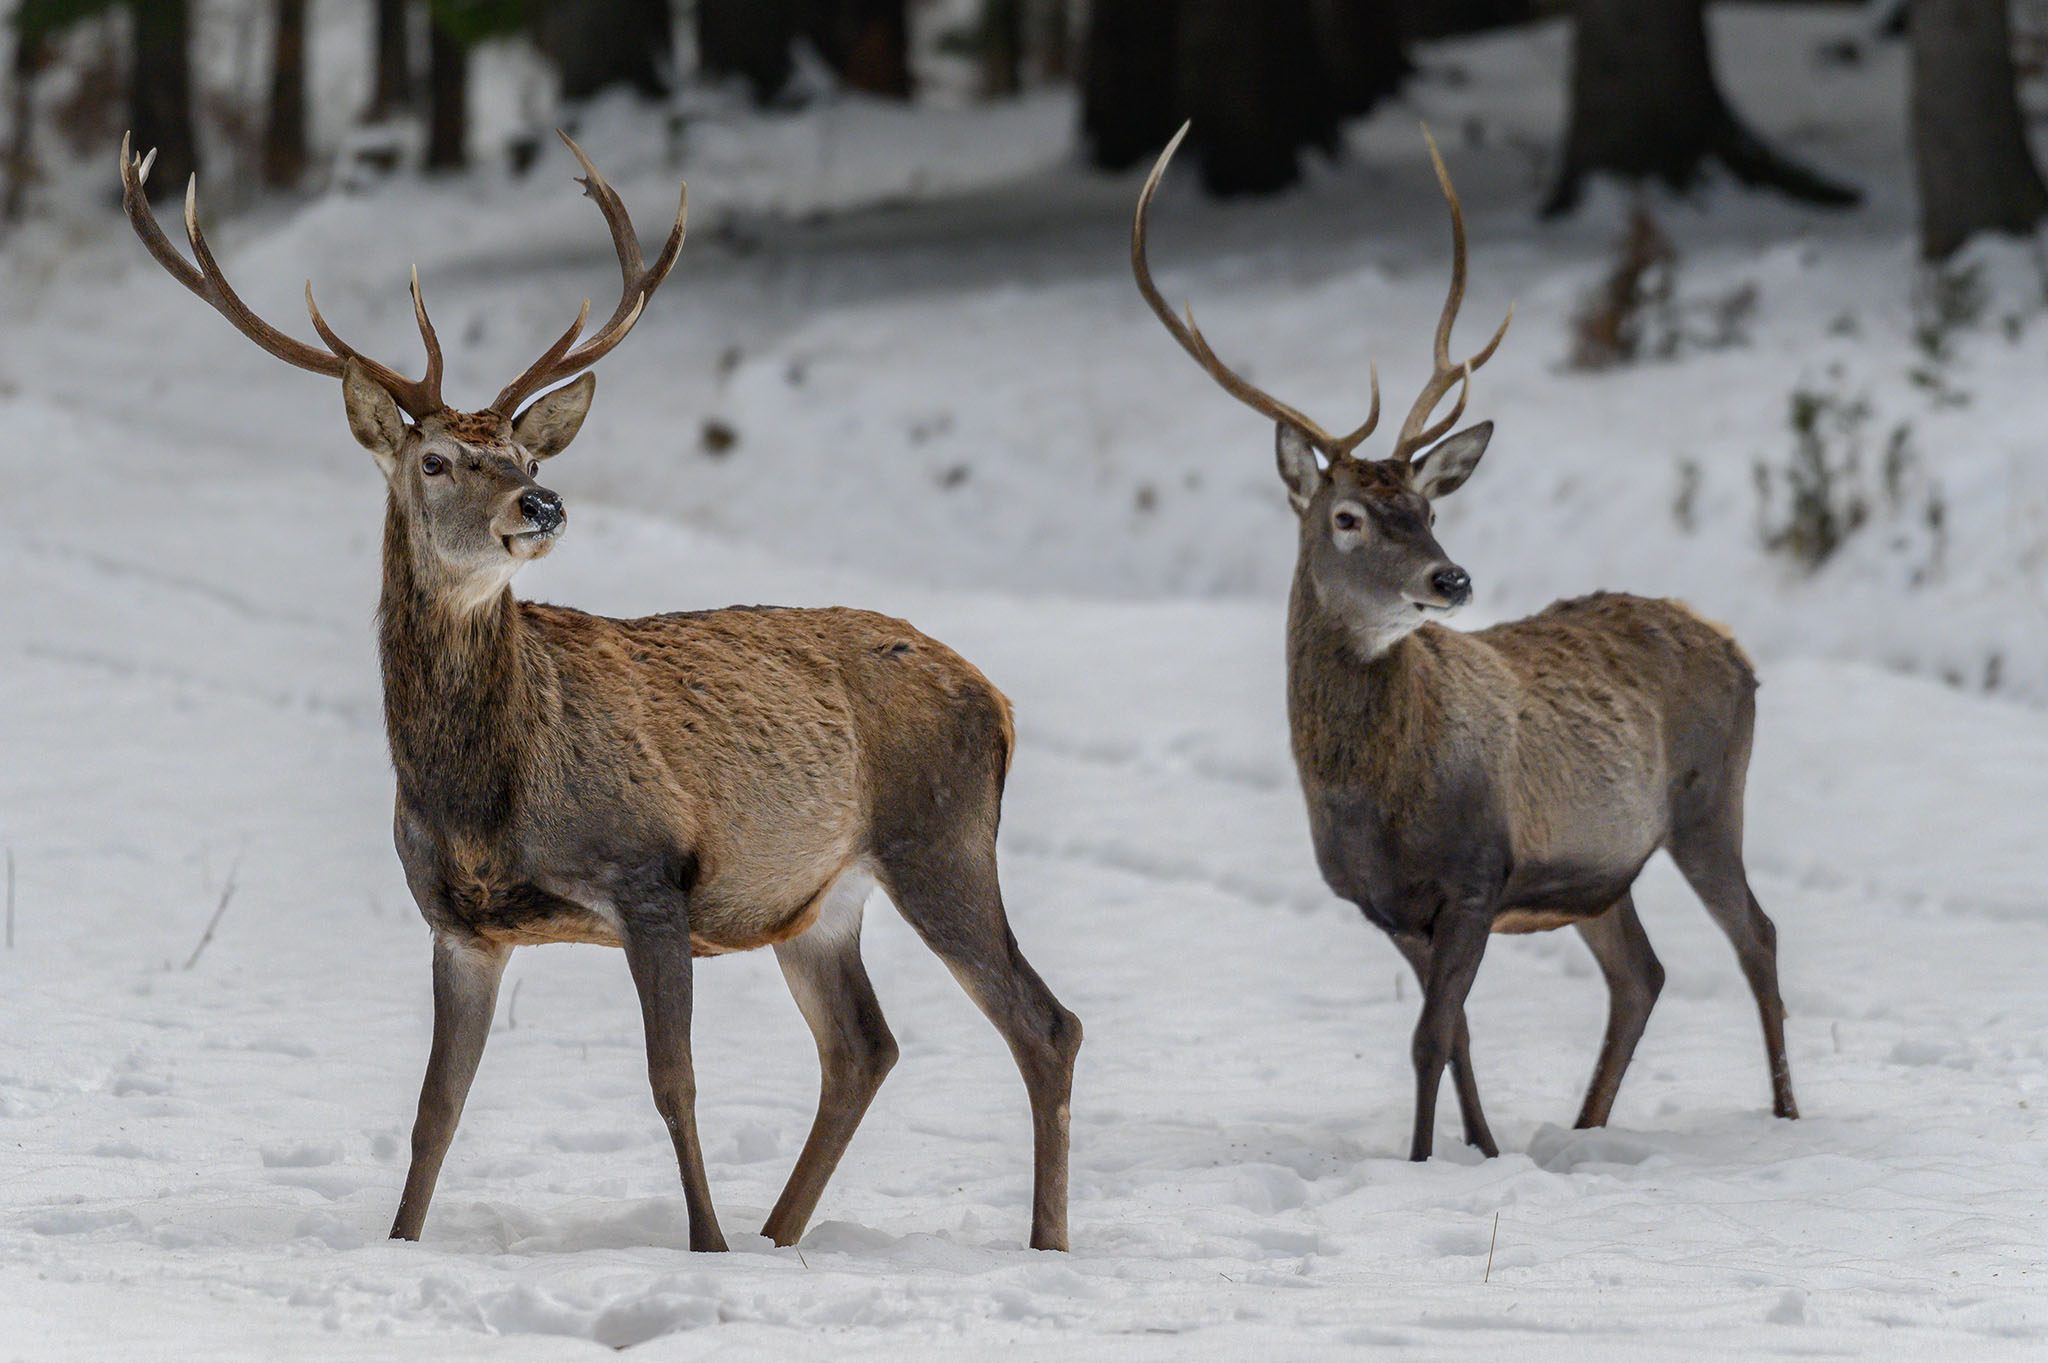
(227, 893)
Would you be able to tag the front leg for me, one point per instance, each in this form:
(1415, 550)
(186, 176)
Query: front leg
(1463, 1078)
(658, 954)
(1457, 941)
(466, 975)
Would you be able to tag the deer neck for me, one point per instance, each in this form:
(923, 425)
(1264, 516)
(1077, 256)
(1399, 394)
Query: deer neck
(1356, 721)
(458, 691)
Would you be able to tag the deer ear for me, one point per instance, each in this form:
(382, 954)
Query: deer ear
(1299, 468)
(373, 415)
(1444, 469)
(551, 421)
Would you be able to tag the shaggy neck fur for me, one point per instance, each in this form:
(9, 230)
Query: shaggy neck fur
(456, 694)
(1354, 718)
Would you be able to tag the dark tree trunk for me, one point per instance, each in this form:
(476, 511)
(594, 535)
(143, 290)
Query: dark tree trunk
(1128, 107)
(29, 53)
(1447, 18)
(448, 102)
(1001, 41)
(284, 132)
(747, 38)
(1365, 48)
(160, 95)
(1645, 106)
(866, 41)
(391, 90)
(1253, 79)
(1969, 143)
(1054, 39)
(596, 44)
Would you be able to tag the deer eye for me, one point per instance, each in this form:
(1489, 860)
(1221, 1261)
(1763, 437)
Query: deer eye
(533, 468)
(1347, 520)
(433, 465)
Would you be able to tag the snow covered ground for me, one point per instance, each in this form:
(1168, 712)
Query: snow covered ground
(201, 1162)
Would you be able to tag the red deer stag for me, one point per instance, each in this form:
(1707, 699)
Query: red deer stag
(681, 785)
(1511, 780)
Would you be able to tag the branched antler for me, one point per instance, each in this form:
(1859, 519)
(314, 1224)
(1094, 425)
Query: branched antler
(639, 281)
(419, 397)
(1192, 340)
(1414, 435)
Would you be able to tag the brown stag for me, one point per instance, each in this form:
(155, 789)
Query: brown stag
(1515, 779)
(681, 785)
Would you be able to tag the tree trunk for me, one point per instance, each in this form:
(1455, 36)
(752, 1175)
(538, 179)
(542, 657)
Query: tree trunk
(1969, 143)
(866, 41)
(448, 107)
(1001, 41)
(1645, 106)
(1252, 77)
(391, 89)
(747, 38)
(29, 53)
(1053, 31)
(1128, 107)
(160, 95)
(1448, 18)
(1365, 46)
(284, 132)
(596, 44)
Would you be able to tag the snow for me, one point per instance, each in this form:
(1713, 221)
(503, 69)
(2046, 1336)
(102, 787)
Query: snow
(203, 1161)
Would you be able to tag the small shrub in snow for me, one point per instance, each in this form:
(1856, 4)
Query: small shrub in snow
(1815, 501)
(1608, 329)
(1636, 312)
(1831, 488)
(1685, 502)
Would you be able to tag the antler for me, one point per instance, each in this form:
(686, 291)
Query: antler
(639, 280)
(1414, 435)
(420, 397)
(1192, 341)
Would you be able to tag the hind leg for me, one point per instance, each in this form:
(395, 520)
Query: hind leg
(855, 1050)
(1417, 950)
(951, 897)
(1710, 856)
(1634, 979)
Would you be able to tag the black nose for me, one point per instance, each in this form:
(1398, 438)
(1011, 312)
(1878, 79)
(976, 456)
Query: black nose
(542, 508)
(1453, 584)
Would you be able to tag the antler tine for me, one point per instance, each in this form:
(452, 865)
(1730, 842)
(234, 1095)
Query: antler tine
(419, 397)
(430, 383)
(134, 174)
(1372, 418)
(1415, 433)
(205, 279)
(513, 392)
(1192, 340)
(638, 282)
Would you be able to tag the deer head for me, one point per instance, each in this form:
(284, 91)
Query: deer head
(1367, 549)
(462, 483)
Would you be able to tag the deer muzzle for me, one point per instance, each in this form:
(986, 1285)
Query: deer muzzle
(542, 517)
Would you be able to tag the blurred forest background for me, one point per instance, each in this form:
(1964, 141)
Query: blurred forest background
(1781, 298)
(1265, 82)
